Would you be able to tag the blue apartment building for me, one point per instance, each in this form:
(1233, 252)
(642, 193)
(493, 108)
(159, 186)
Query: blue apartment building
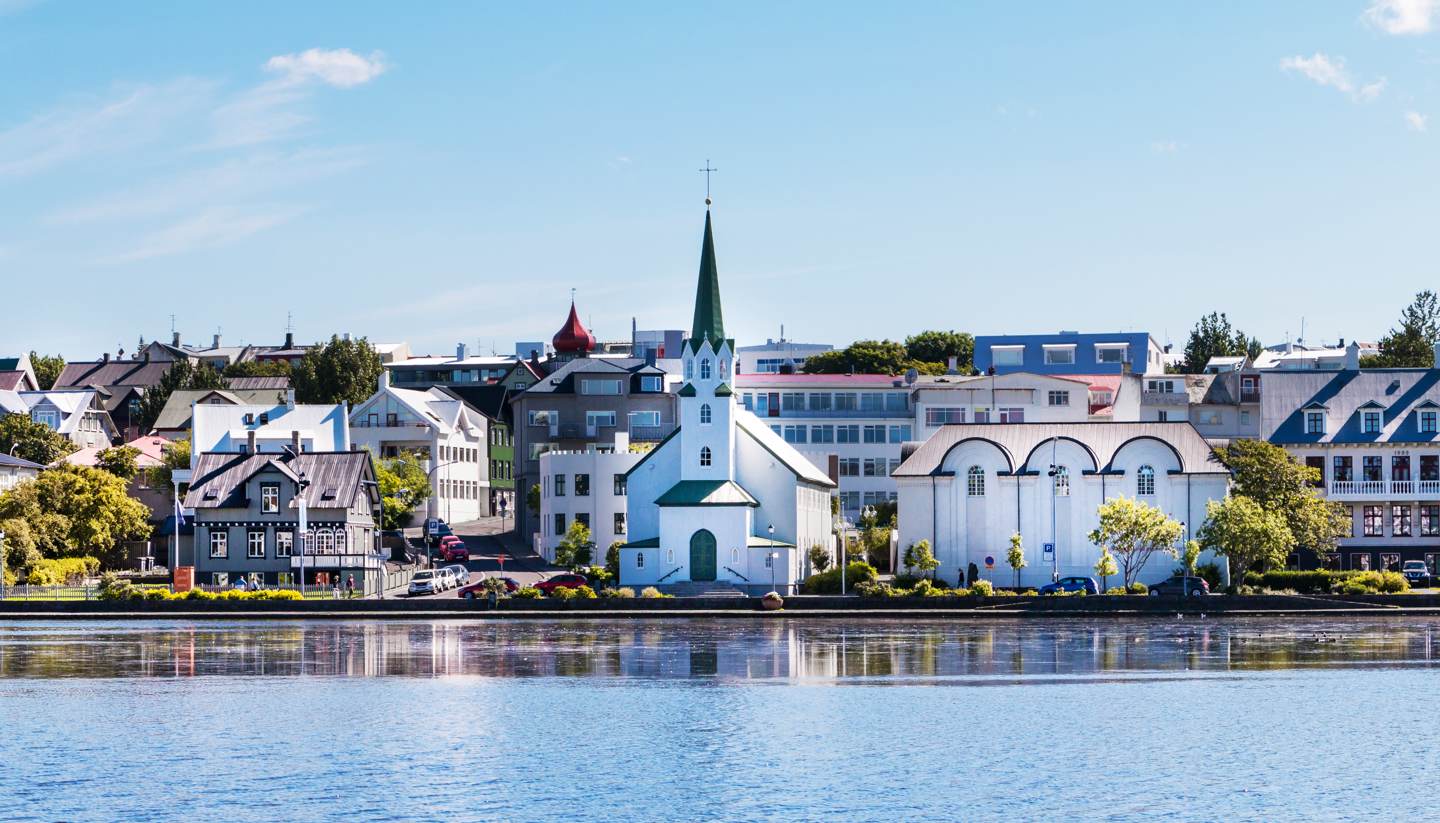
(1070, 352)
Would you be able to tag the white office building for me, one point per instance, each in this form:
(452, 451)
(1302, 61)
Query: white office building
(587, 486)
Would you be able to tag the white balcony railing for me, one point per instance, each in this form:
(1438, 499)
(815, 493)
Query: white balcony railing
(1383, 489)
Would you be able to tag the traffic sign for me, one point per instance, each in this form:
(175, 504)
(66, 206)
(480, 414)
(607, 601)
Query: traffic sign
(1049, 550)
(989, 561)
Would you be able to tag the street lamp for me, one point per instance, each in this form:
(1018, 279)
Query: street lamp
(1054, 530)
(772, 554)
(301, 484)
(2, 565)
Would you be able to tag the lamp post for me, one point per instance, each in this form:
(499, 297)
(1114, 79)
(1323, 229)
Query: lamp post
(772, 554)
(1054, 530)
(300, 485)
(2, 565)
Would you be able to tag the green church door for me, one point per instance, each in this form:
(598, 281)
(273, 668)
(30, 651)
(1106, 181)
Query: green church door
(702, 556)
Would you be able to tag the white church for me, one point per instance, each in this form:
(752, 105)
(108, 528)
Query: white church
(723, 501)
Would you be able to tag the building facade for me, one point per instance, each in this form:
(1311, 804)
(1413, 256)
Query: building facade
(588, 487)
(78, 414)
(776, 356)
(1070, 352)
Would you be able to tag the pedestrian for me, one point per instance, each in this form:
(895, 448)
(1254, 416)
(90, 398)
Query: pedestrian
(974, 575)
(335, 587)
(350, 586)
(240, 584)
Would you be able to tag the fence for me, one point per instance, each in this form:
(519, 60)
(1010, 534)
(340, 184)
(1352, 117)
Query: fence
(52, 592)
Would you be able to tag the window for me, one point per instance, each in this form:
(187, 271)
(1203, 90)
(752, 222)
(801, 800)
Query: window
(822, 434)
(669, 555)
(705, 414)
(899, 434)
(583, 518)
(639, 560)
(975, 481)
(644, 418)
(846, 401)
(705, 369)
(1360, 561)
(1318, 465)
(1390, 561)
(1062, 481)
(269, 498)
(847, 434)
(1110, 353)
(1427, 422)
(792, 401)
(559, 524)
(220, 578)
(897, 401)
(559, 485)
(620, 485)
(1145, 481)
(284, 543)
(850, 501)
(734, 555)
(324, 541)
(1163, 416)
(582, 485)
(705, 456)
(944, 415)
(1012, 415)
(652, 383)
(1007, 355)
(596, 419)
(1371, 469)
(544, 418)
(819, 401)
(1314, 422)
(849, 466)
(619, 522)
(1400, 521)
(219, 544)
(1349, 521)
(46, 418)
(769, 559)
(1058, 398)
(1344, 469)
(724, 369)
(1059, 355)
(795, 434)
(689, 369)
(255, 544)
(1374, 521)
(1370, 422)
(874, 434)
(1429, 467)
(1400, 467)
(875, 466)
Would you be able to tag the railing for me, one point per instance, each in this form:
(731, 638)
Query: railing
(1385, 488)
(1249, 395)
(26, 592)
(668, 574)
(650, 433)
(838, 414)
(737, 574)
(1164, 398)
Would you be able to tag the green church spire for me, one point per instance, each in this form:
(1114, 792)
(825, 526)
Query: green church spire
(709, 320)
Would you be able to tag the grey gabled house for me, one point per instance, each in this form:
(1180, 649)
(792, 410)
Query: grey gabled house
(247, 517)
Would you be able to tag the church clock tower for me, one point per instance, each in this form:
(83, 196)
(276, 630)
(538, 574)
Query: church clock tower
(707, 403)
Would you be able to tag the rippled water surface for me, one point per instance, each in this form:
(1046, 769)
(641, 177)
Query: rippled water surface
(731, 719)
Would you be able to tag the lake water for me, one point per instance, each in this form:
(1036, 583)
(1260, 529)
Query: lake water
(765, 719)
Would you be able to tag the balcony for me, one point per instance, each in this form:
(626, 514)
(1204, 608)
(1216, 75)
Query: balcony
(649, 434)
(1164, 398)
(345, 559)
(1249, 395)
(1384, 490)
(835, 414)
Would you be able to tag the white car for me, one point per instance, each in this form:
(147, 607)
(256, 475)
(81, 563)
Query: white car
(426, 582)
(460, 573)
(446, 578)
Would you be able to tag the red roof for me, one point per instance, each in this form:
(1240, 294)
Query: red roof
(573, 338)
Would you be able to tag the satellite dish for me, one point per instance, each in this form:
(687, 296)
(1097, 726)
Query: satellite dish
(911, 375)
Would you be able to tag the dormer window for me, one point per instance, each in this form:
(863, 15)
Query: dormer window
(1370, 422)
(1314, 422)
(705, 369)
(1428, 422)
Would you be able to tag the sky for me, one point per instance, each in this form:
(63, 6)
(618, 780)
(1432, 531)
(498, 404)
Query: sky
(447, 172)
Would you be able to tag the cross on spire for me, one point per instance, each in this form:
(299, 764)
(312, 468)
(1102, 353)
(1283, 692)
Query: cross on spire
(707, 171)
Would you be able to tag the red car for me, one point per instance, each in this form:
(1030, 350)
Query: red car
(562, 581)
(477, 589)
(453, 550)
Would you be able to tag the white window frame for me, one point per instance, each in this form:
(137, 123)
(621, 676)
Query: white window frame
(1057, 397)
(1429, 420)
(1051, 348)
(975, 481)
(1123, 348)
(706, 456)
(1369, 416)
(705, 414)
(1007, 355)
(269, 498)
(1145, 481)
(1062, 481)
(219, 544)
(284, 543)
(1314, 422)
(250, 547)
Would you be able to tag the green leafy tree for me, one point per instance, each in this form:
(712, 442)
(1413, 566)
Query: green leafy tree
(1270, 476)
(121, 461)
(74, 511)
(868, 357)
(1134, 531)
(341, 371)
(20, 550)
(919, 556)
(937, 347)
(1246, 534)
(403, 486)
(182, 375)
(24, 438)
(819, 558)
(1016, 556)
(1412, 344)
(176, 455)
(1213, 336)
(612, 559)
(47, 369)
(1106, 568)
(532, 499)
(1190, 557)
(258, 368)
(575, 548)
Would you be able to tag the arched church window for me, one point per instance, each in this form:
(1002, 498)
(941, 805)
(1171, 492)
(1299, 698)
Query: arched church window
(1062, 481)
(975, 481)
(705, 369)
(724, 369)
(705, 456)
(639, 560)
(705, 414)
(689, 369)
(1145, 481)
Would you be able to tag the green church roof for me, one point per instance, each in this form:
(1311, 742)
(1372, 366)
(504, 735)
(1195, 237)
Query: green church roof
(687, 390)
(723, 390)
(709, 319)
(706, 493)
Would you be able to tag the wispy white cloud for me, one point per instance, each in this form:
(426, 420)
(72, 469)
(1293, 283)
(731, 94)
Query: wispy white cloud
(1331, 71)
(214, 227)
(1416, 121)
(17, 6)
(341, 68)
(1403, 16)
(1165, 146)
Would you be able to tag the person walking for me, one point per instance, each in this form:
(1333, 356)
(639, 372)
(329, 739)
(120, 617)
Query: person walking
(350, 586)
(335, 587)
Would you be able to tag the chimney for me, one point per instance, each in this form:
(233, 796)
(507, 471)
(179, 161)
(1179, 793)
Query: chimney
(146, 357)
(250, 441)
(289, 339)
(535, 359)
(295, 441)
(460, 351)
(175, 339)
(289, 399)
(649, 357)
(384, 379)
(105, 358)
(952, 365)
(1352, 356)
(216, 343)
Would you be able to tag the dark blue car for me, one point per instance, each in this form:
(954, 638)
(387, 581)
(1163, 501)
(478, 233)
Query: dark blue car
(1071, 584)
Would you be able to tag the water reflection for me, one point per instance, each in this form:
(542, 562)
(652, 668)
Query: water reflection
(796, 649)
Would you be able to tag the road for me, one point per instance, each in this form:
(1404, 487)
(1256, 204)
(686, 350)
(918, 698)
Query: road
(486, 542)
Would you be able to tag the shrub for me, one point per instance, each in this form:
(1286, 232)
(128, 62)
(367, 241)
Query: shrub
(563, 593)
(1004, 593)
(1317, 581)
(585, 593)
(62, 571)
(1116, 590)
(622, 593)
(1210, 573)
(828, 582)
(652, 593)
(909, 581)
(982, 588)
(1137, 588)
(597, 575)
(528, 593)
(873, 590)
(1373, 583)
(197, 594)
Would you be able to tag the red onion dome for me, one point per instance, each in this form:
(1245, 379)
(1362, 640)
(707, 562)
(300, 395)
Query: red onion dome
(573, 337)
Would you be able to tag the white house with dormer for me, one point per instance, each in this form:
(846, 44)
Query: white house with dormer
(723, 500)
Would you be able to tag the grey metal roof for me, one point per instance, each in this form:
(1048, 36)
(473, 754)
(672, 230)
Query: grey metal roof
(220, 477)
(18, 462)
(1400, 393)
(556, 381)
(1102, 439)
(249, 383)
(175, 415)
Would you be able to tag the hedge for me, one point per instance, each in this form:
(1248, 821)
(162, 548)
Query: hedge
(828, 582)
(1324, 581)
(56, 572)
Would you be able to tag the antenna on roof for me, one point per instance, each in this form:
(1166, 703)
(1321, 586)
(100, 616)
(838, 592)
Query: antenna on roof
(172, 324)
(289, 321)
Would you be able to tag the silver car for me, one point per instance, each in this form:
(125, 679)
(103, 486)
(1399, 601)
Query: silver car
(426, 582)
(460, 574)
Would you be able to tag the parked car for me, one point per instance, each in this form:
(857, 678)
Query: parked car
(453, 549)
(435, 530)
(425, 582)
(447, 578)
(477, 589)
(1181, 586)
(1416, 572)
(562, 581)
(1071, 584)
(460, 573)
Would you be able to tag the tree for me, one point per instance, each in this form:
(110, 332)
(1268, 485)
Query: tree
(1106, 568)
(1190, 557)
(182, 375)
(819, 558)
(1412, 345)
(532, 499)
(175, 456)
(868, 357)
(74, 511)
(612, 559)
(121, 461)
(575, 548)
(937, 347)
(403, 486)
(919, 556)
(258, 368)
(1268, 475)
(24, 438)
(1213, 336)
(1133, 531)
(341, 371)
(20, 551)
(1016, 556)
(1246, 534)
(47, 369)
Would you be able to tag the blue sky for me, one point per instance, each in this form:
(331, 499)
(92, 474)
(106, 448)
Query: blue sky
(450, 175)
